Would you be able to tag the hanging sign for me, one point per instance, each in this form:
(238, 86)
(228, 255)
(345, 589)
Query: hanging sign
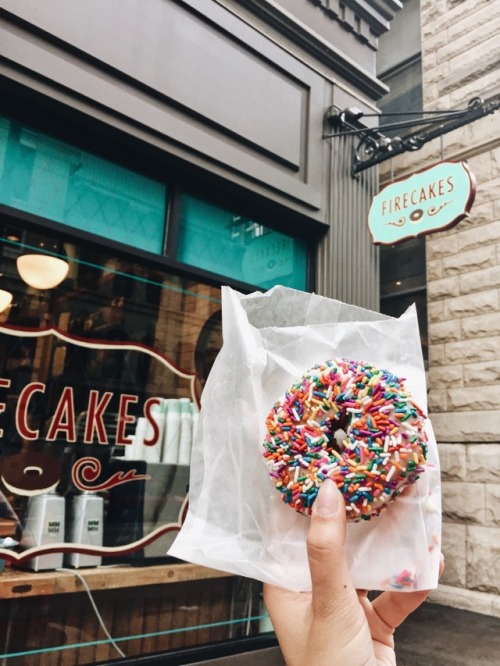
(431, 200)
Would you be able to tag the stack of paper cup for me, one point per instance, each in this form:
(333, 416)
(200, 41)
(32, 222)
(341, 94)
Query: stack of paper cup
(133, 451)
(194, 416)
(186, 432)
(145, 431)
(176, 420)
(171, 435)
(152, 452)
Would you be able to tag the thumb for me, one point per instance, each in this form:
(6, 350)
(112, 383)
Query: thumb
(331, 582)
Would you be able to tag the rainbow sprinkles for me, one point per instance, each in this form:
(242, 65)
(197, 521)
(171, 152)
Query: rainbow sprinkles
(353, 423)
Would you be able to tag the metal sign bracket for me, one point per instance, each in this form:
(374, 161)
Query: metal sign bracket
(375, 147)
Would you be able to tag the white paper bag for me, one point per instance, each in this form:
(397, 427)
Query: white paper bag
(236, 520)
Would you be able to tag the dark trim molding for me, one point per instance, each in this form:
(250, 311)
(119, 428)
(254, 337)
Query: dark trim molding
(325, 53)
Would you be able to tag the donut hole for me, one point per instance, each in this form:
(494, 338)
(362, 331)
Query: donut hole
(337, 431)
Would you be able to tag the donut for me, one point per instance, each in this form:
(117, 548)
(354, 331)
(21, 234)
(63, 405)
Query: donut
(353, 423)
(30, 473)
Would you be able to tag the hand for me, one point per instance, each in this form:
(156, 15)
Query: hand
(335, 625)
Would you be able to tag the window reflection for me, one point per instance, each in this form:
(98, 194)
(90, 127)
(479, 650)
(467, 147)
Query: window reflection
(218, 240)
(131, 350)
(56, 180)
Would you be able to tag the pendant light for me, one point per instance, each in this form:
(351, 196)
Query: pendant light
(42, 271)
(5, 300)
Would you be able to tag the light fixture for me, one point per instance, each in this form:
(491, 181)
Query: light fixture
(5, 300)
(42, 271)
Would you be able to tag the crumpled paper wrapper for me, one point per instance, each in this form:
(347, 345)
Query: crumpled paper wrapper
(236, 520)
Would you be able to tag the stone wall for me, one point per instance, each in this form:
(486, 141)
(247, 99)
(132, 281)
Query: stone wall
(460, 59)
(463, 290)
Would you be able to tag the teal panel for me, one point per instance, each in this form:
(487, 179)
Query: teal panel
(52, 179)
(237, 247)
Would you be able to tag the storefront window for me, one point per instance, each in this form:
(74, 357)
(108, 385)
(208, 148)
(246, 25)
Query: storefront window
(221, 241)
(94, 369)
(101, 376)
(49, 178)
(114, 356)
(100, 379)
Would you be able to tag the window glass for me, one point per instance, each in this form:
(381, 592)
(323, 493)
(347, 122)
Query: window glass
(94, 370)
(220, 241)
(405, 94)
(100, 380)
(402, 267)
(52, 179)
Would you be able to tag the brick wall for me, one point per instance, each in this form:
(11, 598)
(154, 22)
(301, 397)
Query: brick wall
(460, 59)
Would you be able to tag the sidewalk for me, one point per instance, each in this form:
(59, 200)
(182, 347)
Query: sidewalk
(436, 634)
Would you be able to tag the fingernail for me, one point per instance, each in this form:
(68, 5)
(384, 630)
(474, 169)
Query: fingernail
(328, 501)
